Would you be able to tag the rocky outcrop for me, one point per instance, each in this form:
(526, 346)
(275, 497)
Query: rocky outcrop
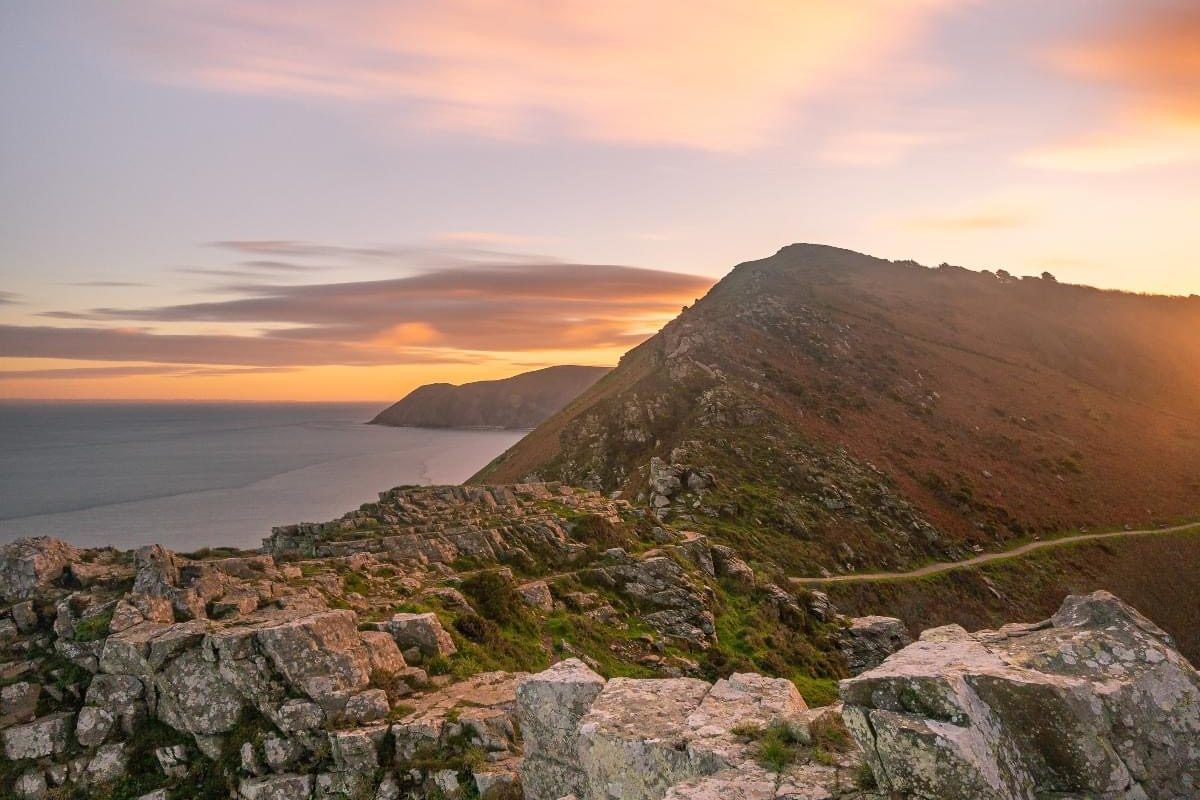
(29, 564)
(635, 739)
(550, 706)
(1094, 702)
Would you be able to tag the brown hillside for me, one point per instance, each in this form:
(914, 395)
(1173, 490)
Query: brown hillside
(522, 401)
(833, 410)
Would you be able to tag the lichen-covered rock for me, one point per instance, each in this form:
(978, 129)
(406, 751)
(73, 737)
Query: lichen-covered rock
(1094, 702)
(93, 725)
(867, 641)
(173, 760)
(368, 706)
(633, 743)
(277, 787)
(550, 706)
(45, 736)
(31, 785)
(297, 716)
(321, 654)
(384, 655)
(422, 631)
(193, 696)
(29, 564)
(108, 763)
(357, 749)
(18, 702)
(536, 594)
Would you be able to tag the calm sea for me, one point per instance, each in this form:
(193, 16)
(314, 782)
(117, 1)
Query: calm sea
(195, 475)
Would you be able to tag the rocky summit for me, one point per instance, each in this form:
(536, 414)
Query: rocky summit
(544, 642)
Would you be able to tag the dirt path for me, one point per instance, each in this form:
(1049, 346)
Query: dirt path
(946, 566)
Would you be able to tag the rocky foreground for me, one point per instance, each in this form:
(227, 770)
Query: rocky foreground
(455, 642)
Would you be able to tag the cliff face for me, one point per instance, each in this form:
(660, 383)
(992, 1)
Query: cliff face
(522, 401)
(833, 411)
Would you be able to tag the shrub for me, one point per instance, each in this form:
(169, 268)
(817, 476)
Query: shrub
(777, 746)
(474, 627)
(864, 777)
(495, 597)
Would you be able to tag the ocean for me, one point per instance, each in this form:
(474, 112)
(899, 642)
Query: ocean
(192, 475)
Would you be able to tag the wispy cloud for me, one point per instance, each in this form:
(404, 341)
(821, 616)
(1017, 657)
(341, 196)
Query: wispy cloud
(1151, 59)
(982, 220)
(447, 314)
(107, 284)
(720, 75)
(9, 298)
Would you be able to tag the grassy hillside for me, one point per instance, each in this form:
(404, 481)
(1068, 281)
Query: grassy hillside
(829, 410)
(1155, 574)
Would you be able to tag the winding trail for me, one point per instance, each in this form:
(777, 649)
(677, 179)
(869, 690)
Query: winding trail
(1016, 552)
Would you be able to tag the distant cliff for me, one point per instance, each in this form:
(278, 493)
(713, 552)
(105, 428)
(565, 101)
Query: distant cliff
(522, 401)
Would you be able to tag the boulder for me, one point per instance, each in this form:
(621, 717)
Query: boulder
(633, 743)
(320, 654)
(281, 753)
(25, 616)
(31, 785)
(867, 641)
(368, 706)
(125, 615)
(93, 725)
(194, 696)
(537, 595)
(357, 749)
(297, 716)
(1094, 702)
(27, 565)
(550, 706)
(422, 631)
(385, 657)
(18, 702)
(43, 737)
(172, 760)
(730, 566)
(277, 787)
(107, 764)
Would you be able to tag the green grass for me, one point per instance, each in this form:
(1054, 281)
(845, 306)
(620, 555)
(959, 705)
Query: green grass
(93, 628)
(356, 582)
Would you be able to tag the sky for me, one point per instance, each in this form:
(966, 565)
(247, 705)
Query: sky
(298, 200)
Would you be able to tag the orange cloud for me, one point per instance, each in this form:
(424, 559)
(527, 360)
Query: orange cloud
(1153, 60)
(718, 75)
(455, 313)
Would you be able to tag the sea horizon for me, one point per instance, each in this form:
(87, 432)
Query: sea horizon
(207, 474)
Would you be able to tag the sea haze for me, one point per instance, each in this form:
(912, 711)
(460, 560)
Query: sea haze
(190, 475)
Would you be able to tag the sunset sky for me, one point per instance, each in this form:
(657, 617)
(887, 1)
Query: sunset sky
(341, 200)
